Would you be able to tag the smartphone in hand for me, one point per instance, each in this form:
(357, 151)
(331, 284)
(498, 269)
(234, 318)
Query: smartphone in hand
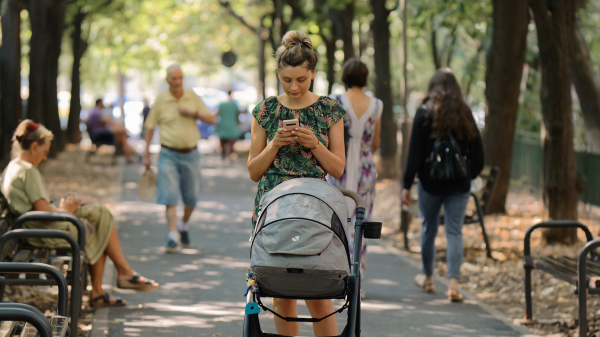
(291, 124)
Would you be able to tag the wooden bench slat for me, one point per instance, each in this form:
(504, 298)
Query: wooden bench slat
(591, 266)
(560, 273)
(7, 328)
(559, 265)
(23, 255)
(41, 256)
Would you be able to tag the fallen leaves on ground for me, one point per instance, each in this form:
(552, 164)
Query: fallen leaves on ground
(499, 282)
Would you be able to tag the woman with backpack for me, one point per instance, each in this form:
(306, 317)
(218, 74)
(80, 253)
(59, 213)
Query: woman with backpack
(313, 148)
(362, 126)
(446, 152)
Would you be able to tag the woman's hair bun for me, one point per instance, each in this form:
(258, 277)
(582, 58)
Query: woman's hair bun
(296, 38)
(296, 49)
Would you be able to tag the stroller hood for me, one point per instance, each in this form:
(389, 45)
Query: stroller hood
(328, 194)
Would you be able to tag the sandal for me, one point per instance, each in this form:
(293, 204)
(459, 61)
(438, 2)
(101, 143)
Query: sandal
(132, 283)
(455, 296)
(104, 301)
(421, 281)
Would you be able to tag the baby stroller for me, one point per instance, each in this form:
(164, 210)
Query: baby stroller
(300, 251)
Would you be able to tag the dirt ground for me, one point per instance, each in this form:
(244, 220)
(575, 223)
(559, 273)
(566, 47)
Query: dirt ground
(94, 182)
(500, 282)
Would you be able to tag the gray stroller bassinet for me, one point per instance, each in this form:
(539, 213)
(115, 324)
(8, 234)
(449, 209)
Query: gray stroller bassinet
(299, 248)
(300, 251)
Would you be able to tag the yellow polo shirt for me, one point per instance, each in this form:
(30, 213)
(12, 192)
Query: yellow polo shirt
(175, 130)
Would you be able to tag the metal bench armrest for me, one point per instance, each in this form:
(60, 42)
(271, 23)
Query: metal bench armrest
(553, 224)
(53, 216)
(26, 313)
(582, 261)
(17, 267)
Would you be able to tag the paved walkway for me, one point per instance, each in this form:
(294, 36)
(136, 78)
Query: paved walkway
(202, 288)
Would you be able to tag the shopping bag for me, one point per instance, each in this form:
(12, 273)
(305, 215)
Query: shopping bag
(147, 186)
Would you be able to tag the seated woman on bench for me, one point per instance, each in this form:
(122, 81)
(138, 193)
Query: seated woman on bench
(21, 184)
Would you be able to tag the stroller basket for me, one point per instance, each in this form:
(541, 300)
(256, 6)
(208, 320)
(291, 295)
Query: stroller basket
(299, 247)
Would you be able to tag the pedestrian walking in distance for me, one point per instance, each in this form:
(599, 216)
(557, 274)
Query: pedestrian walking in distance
(362, 126)
(312, 149)
(176, 111)
(228, 126)
(446, 152)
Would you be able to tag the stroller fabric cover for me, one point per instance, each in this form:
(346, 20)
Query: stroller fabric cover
(299, 247)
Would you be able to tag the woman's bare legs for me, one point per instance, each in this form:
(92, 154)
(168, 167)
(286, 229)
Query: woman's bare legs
(113, 250)
(96, 274)
(286, 308)
(322, 308)
(317, 309)
(121, 138)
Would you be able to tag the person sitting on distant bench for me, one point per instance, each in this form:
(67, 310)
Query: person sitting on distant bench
(103, 130)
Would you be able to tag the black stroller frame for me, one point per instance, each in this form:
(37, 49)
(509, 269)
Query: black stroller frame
(251, 320)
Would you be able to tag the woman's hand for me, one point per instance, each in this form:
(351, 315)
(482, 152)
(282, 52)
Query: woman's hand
(406, 197)
(282, 137)
(71, 204)
(305, 137)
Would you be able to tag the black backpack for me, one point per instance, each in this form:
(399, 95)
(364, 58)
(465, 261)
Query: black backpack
(446, 162)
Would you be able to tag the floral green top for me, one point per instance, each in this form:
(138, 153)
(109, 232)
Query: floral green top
(294, 160)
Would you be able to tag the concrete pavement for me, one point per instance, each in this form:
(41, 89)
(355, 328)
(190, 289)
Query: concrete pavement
(202, 288)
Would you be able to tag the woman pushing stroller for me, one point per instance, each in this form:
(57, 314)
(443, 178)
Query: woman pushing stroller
(311, 149)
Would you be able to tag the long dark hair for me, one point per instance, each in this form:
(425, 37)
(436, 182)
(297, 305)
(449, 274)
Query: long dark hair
(446, 105)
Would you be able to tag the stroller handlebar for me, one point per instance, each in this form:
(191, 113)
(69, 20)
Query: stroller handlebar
(354, 196)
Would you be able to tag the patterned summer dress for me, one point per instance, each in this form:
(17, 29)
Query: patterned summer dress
(359, 174)
(294, 160)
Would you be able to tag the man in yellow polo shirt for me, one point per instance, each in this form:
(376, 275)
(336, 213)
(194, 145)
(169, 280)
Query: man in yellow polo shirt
(175, 111)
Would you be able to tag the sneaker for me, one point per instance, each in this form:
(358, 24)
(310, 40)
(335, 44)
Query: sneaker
(185, 239)
(172, 246)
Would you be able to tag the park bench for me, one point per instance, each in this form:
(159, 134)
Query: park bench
(70, 262)
(97, 143)
(481, 199)
(36, 324)
(582, 271)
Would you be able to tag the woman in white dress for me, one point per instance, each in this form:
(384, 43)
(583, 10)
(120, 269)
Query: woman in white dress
(362, 126)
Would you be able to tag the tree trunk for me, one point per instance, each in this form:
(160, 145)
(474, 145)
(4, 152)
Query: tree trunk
(451, 45)
(554, 20)
(434, 50)
(331, 48)
(263, 35)
(278, 25)
(55, 26)
(587, 85)
(11, 106)
(381, 43)
(347, 34)
(38, 46)
(121, 81)
(73, 135)
(505, 61)
(472, 70)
